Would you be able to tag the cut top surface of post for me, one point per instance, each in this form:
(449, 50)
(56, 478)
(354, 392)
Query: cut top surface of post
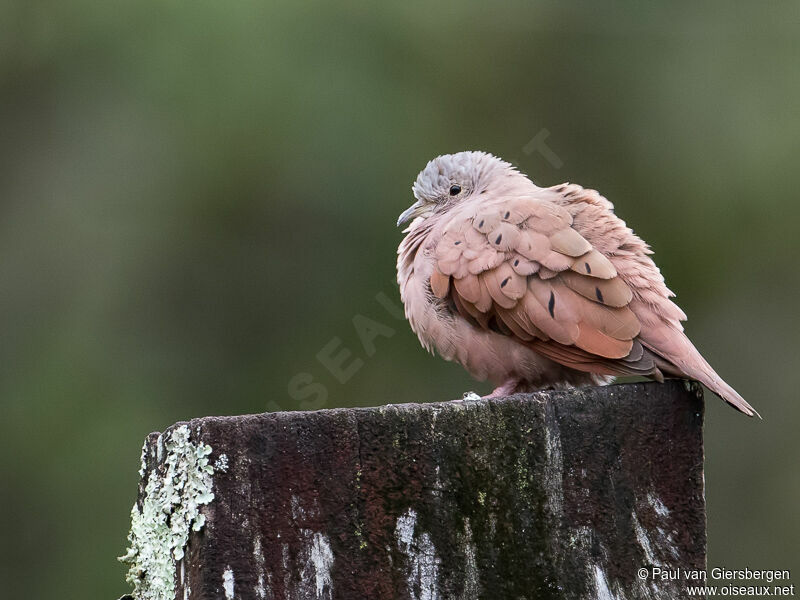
(559, 494)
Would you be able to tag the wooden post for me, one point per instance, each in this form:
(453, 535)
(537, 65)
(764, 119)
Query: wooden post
(561, 494)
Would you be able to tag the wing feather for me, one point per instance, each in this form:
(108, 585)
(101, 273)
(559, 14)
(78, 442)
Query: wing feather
(440, 284)
(520, 268)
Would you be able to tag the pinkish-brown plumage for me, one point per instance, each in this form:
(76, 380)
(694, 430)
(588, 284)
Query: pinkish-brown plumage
(535, 287)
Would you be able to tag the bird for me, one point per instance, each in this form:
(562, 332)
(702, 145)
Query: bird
(537, 288)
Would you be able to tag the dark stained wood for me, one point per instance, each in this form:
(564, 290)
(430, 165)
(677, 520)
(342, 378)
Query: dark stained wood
(561, 494)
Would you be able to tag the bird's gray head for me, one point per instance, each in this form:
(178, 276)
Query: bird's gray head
(452, 178)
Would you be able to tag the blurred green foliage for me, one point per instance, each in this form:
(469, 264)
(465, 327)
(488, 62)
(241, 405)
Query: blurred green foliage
(197, 198)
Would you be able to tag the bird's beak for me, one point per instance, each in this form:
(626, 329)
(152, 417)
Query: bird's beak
(412, 211)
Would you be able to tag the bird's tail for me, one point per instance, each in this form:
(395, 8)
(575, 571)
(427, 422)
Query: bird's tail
(684, 360)
(715, 383)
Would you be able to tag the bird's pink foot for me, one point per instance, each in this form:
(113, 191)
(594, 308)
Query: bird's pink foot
(506, 389)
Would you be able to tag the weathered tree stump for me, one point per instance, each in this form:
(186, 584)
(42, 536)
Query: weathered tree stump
(562, 494)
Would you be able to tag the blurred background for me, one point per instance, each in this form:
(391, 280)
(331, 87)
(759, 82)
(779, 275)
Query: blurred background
(198, 199)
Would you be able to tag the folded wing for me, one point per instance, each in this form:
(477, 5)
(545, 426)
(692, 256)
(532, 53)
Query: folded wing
(519, 268)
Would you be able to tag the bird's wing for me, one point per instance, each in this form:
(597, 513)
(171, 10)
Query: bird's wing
(519, 268)
(661, 333)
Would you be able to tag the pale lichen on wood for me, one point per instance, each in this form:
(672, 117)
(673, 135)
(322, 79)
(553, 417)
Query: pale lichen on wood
(166, 512)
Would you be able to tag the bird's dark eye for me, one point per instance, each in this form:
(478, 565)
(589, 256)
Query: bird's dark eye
(455, 190)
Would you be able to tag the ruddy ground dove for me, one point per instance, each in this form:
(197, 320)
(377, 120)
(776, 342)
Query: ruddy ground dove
(535, 287)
